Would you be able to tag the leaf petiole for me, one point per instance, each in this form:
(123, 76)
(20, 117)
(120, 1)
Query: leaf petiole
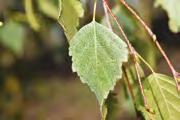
(94, 11)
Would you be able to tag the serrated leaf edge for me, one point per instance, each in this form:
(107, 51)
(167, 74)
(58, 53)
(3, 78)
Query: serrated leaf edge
(119, 76)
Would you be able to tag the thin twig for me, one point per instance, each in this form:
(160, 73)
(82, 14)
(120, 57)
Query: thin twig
(119, 26)
(110, 27)
(132, 51)
(129, 84)
(107, 17)
(154, 38)
(145, 62)
(140, 84)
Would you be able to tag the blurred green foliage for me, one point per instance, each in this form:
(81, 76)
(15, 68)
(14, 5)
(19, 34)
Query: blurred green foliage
(12, 36)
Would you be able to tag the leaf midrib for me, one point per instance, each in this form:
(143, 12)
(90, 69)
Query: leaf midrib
(95, 44)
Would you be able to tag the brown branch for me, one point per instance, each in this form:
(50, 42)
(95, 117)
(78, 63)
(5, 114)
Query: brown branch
(132, 51)
(129, 84)
(140, 85)
(154, 38)
(107, 17)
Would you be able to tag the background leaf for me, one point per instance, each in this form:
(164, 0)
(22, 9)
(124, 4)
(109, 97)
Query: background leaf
(97, 55)
(70, 12)
(166, 96)
(173, 10)
(12, 36)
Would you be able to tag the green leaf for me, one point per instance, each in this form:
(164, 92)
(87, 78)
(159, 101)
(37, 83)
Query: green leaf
(97, 56)
(49, 7)
(166, 96)
(172, 8)
(70, 12)
(12, 36)
(31, 16)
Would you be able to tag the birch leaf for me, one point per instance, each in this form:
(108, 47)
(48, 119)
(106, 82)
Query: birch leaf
(97, 56)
